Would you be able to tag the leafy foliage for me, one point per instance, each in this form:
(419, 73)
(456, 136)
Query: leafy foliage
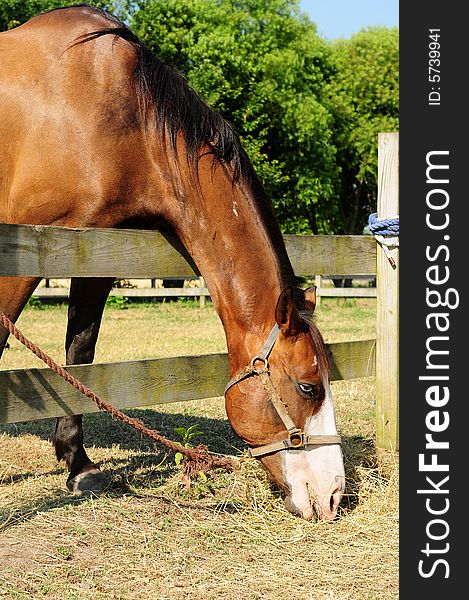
(262, 65)
(307, 111)
(119, 302)
(186, 434)
(365, 101)
(16, 12)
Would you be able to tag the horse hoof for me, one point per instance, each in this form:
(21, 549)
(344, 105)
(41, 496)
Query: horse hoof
(93, 481)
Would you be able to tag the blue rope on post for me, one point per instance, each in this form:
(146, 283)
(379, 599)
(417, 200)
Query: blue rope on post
(381, 228)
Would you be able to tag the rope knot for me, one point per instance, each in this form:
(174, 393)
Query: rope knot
(386, 233)
(389, 226)
(199, 459)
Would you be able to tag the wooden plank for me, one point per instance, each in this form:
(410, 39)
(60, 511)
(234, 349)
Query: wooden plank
(50, 252)
(202, 296)
(351, 276)
(332, 254)
(43, 292)
(387, 281)
(63, 292)
(346, 293)
(350, 360)
(43, 251)
(31, 394)
(318, 284)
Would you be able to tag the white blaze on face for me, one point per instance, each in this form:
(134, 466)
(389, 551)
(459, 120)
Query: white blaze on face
(316, 472)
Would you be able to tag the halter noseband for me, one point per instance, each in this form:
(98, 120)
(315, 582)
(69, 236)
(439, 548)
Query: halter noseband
(296, 437)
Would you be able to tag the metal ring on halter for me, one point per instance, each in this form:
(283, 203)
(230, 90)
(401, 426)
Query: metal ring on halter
(263, 360)
(297, 439)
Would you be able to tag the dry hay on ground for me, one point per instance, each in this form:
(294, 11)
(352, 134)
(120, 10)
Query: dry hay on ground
(227, 538)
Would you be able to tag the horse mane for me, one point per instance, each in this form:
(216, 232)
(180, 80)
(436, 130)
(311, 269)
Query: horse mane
(318, 342)
(168, 103)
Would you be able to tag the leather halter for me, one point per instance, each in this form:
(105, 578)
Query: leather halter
(296, 439)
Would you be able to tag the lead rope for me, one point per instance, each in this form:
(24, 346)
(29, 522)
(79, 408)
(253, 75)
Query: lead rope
(198, 458)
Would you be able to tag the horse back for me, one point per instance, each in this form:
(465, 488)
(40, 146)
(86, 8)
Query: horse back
(70, 133)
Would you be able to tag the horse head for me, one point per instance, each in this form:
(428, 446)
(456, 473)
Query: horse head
(281, 406)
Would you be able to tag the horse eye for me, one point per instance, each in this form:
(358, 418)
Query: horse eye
(306, 388)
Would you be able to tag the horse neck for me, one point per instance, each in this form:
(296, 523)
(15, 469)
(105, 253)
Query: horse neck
(231, 234)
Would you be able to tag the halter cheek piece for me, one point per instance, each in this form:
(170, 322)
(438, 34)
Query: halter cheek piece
(296, 437)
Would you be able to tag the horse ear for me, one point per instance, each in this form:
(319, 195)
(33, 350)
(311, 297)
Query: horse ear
(310, 297)
(287, 315)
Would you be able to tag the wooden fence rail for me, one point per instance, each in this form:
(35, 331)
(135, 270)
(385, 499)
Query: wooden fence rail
(62, 252)
(31, 394)
(201, 293)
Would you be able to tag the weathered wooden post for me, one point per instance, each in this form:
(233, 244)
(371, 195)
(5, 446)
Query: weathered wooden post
(387, 325)
(202, 296)
(318, 284)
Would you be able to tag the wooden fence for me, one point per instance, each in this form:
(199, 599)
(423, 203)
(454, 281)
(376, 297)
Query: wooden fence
(201, 292)
(59, 252)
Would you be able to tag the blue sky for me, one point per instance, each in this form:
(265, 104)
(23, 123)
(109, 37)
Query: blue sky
(343, 18)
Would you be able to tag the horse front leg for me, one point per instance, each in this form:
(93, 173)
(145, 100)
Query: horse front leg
(14, 294)
(85, 309)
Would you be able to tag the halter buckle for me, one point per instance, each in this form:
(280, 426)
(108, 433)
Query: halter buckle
(265, 364)
(296, 440)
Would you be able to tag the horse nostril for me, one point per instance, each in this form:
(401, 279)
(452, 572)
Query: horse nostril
(336, 497)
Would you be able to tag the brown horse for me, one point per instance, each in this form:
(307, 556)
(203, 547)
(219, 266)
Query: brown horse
(97, 132)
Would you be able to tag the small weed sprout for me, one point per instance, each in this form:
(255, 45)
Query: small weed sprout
(187, 434)
(64, 553)
(119, 302)
(35, 302)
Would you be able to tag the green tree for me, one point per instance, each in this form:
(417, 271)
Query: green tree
(261, 64)
(307, 111)
(16, 12)
(364, 96)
